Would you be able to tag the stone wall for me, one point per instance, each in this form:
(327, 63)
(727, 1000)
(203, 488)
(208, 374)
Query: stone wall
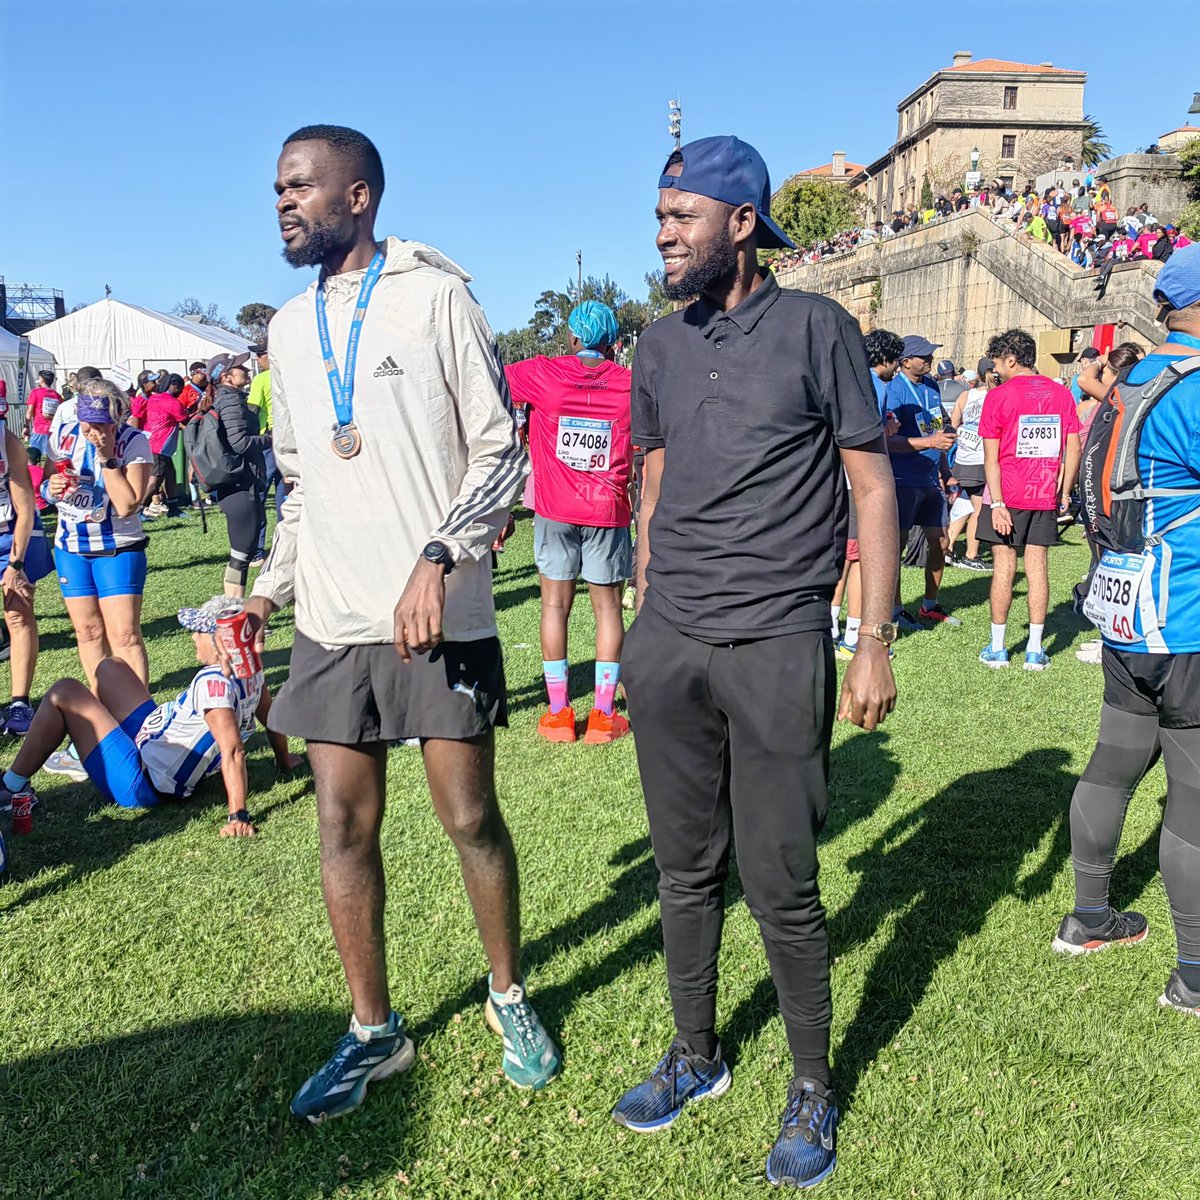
(1153, 179)
(961, 280)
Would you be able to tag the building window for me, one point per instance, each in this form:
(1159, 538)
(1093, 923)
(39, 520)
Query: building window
(1010, 98)
(1008, 146)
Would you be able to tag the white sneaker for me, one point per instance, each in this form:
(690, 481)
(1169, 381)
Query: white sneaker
(1091, 653)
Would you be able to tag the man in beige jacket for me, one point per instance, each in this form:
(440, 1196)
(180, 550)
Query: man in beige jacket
(394, 429)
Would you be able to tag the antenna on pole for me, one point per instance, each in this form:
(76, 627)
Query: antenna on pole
(579, 269)
(675, 120)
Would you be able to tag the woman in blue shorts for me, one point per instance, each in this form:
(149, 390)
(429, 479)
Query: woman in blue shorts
(100, 470)
(24, 559)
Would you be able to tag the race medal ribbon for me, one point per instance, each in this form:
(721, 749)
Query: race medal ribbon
(347, 440)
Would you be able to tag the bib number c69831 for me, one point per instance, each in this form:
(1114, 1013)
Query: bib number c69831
(584, 444)
(1039, 436)
(1112, 600)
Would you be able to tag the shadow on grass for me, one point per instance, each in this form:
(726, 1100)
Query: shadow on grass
(942, 868)
(198, 1108)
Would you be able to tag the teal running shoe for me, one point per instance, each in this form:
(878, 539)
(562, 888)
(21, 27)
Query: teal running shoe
(531, 1059)
(805, 1152)
(1036, 660)
(359, 1058)
(996, 659)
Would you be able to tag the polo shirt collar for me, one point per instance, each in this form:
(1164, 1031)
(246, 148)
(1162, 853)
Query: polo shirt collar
(745, 315)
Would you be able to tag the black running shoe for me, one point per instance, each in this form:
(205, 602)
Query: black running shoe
(1179, 996)
(1121, 929)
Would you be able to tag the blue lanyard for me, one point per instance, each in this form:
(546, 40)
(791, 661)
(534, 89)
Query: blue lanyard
(341, 385)
(588, 354)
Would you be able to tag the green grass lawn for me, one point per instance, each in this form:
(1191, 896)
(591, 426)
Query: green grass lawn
(163, 993)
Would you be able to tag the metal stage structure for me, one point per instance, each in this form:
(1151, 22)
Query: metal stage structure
(25, 306)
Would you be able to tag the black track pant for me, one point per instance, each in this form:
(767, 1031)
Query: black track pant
(1129, 744)
(243, 512)
(735, 740)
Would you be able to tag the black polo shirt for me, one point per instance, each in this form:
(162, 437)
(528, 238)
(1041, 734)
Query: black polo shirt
(748, 537)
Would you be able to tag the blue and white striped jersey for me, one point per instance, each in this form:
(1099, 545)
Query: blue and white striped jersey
(177, 747)
(86, 521)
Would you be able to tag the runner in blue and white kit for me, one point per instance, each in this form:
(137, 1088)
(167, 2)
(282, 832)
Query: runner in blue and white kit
(138, 753)
(100, 547)
(1151, 662)
(24, 559)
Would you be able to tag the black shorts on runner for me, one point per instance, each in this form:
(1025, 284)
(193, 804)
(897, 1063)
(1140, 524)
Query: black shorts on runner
(161, 463)
(355, 694)
(1166, 686)
(1031, 527)
(971, 479)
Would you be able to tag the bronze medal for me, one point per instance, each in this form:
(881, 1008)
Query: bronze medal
(347, 441)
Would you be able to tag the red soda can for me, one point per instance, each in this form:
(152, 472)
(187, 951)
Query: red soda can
(22, 812)
(237, 639)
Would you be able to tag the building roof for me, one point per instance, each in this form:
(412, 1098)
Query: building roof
(1005, 67)
(827, 169)
(1181, 129)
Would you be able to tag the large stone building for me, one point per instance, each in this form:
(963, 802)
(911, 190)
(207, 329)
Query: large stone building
(1021, 120)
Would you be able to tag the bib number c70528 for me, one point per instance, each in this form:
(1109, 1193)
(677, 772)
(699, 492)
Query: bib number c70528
(584, 444)
(1112, 601)
(1039, 436)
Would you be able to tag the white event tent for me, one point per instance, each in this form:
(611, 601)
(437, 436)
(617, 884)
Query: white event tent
(112, 332)
(39, 360)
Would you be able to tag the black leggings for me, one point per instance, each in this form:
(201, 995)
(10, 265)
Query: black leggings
(1129, 745)
(243, 512)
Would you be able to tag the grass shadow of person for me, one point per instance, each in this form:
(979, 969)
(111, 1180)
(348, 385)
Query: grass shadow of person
(942, 867)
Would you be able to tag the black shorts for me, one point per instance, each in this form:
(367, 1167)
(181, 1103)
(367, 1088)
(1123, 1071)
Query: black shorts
(1031, 527)
(355, 694)
(161, 463)
(1166, 686)
(972, 479)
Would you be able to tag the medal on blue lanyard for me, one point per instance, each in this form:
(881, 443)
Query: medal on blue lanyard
(347, 440)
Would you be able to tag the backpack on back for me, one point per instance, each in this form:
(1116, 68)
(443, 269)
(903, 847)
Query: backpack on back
(215, 464)
(1110, 480)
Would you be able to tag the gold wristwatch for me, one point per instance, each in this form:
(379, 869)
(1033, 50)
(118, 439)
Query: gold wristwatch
(885, 632)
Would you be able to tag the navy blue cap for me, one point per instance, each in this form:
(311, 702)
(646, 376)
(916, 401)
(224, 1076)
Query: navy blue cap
(732, 171)
(1178, 282)
(915, 346)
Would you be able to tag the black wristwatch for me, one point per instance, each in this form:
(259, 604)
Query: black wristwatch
(16, 564)
(110, 464)
(241, 815)
(438, 553)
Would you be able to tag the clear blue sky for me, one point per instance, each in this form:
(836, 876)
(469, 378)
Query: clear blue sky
(140, 136)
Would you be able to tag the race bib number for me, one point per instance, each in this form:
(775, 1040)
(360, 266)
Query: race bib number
(584, 444)
(968, 439)
(85, 503)
(1039, 436)
(1112, 601)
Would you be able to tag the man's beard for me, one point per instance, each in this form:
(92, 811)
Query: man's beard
(321, 241)
(718, 265)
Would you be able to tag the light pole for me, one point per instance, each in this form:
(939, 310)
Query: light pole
(1195, 103)
(675, 120)
(579, 269)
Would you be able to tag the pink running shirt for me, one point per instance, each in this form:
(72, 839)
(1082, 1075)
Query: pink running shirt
(161, 415)
(1031, 416)
(579, 440)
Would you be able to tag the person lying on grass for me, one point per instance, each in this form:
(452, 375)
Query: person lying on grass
(137, 753)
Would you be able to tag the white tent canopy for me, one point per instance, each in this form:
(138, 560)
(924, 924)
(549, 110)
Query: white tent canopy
(113, 332)
(39, 360)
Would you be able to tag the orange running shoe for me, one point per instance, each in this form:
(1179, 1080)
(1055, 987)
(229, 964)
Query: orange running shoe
(603, 728)
(558, 726)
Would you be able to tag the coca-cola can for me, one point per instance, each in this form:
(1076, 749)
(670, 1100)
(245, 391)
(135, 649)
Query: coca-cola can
(237, 640)
(22, 813)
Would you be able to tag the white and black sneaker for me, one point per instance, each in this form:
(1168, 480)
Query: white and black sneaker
(1179, 996)
(1120, 929)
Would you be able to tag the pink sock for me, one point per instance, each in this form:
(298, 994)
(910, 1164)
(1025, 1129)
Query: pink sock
(555, 674)
(607, 675)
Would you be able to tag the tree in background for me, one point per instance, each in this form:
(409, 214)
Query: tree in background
(202, 314)
(253, 319)
(814, 210)
(1189, 216)
(926, 193)
(1095, 148)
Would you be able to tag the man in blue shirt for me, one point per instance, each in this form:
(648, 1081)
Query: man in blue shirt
(1151, 663)
(1086, 359)
(918, 453)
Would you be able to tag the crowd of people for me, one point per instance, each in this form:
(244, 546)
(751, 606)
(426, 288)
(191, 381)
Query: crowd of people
(1080, 221)
(770, 478)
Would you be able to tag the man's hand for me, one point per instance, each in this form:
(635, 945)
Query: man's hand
(869, 689)
(942, 440)
(236, 827)
(891, 424)
(418, 616)
(285, 766)
(1002, 521)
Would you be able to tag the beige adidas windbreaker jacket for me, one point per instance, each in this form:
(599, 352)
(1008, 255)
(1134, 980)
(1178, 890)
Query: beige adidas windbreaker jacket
(441, 458)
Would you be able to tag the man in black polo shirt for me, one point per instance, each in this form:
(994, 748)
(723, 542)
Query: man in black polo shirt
(748, 402)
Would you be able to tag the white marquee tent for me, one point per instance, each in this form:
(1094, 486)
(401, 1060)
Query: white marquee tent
(39, 360)
(113, 332)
